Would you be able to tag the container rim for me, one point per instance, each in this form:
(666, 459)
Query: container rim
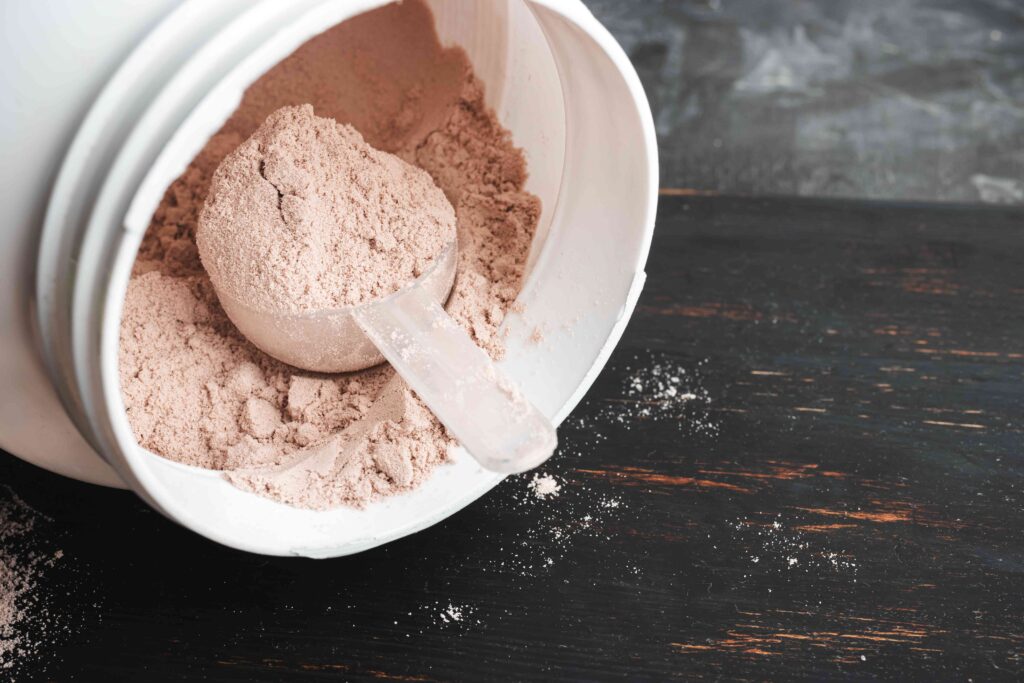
(98, 335)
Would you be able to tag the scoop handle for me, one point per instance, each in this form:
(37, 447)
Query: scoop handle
(481, 407)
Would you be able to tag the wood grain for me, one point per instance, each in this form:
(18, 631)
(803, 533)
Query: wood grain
(802, 462)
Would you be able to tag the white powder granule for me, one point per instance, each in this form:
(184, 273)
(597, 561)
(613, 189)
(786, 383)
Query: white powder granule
(451, 613)
(545, 486)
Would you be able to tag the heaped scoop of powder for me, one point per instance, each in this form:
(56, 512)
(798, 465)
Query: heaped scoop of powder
(197, 392)
(305, 216)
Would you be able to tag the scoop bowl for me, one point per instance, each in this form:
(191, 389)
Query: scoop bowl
(331, 341)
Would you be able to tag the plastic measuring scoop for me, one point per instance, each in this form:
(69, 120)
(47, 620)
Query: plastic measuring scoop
(457, 380)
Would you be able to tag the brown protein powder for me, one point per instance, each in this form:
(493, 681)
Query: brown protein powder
(305, 216)
(197, 392)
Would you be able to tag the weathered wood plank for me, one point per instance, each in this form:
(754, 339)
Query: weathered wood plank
(804, 460)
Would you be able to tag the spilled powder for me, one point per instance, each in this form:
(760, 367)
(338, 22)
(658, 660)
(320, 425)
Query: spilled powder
(544, 486)
(305, 216)
(779, 546)
(655, 387)
(554, 512)
(15, 582)
(23, 624)
(197, 392)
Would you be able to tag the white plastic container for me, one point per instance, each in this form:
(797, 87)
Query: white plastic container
(120, 95)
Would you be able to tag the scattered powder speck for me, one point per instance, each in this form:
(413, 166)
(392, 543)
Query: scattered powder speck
(539, 534)
(656, 388)
(781, 548)
(661, 389)
(450, 614)
(564, 513)
(544, 486)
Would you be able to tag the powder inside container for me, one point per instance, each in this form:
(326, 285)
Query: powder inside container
(305, 216)
(197, 392)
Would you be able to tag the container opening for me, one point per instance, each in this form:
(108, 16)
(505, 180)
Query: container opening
(389, 73)
(578, 292)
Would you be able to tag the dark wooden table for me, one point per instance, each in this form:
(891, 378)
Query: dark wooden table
(805, 460)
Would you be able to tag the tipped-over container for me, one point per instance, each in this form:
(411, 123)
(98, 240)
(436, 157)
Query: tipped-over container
(100, 127)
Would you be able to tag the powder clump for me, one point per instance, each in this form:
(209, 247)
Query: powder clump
(199, 393)
(393, 448)
(306, 216)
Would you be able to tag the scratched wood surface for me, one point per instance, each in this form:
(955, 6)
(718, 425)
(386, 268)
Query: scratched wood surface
(803, 461)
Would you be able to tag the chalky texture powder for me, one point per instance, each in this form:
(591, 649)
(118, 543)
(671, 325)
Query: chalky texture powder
(305, 216)
(198, 393)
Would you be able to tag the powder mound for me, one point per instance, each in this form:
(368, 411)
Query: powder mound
(305, 216)
(391, 450)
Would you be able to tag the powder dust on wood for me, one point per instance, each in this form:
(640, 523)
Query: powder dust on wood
(23, 625)
(198, 393)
